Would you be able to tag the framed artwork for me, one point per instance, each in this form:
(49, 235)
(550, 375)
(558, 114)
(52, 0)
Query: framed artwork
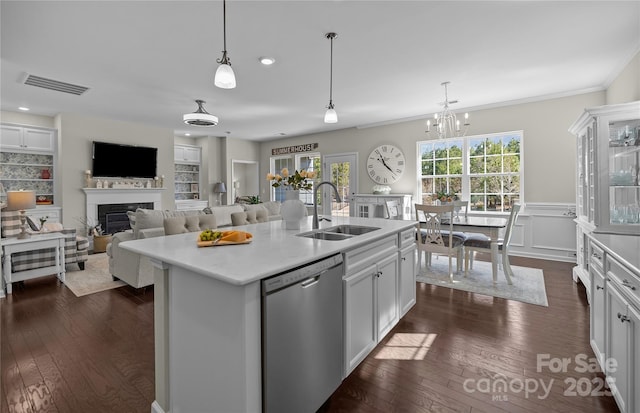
(195, 188)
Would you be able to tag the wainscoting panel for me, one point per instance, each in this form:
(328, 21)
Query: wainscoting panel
(546, 231)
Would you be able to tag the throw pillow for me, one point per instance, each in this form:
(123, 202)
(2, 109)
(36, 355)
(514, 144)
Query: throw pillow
(32, 225)
(273, 207)
(10, 223)
(132, 219)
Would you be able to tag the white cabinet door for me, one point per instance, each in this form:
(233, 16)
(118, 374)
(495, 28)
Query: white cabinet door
(10, 137)
(597, 327)
(178, 154)
(192, 155)
(186, 154)
(634, 394)
(387, 294)
(407, 279)
(360, 316)
(618, 346)
(27, 139)
(38, 140)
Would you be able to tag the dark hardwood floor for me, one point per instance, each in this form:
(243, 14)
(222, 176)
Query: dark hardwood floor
(60, 353)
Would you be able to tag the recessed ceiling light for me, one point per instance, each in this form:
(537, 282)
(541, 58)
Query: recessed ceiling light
(267, 60)
(23, 108)
(187, 134)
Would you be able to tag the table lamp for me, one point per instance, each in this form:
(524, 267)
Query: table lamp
(219, 188)
(20, 201)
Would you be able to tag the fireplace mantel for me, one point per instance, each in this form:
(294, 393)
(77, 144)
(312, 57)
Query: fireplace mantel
(99, 196)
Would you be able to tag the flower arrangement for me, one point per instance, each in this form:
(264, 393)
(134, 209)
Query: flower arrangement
(446, 197)
(298, 180)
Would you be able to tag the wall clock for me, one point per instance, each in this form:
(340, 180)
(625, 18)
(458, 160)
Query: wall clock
(385, 164)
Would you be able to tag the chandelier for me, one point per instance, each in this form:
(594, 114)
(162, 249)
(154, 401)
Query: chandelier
(446, 124)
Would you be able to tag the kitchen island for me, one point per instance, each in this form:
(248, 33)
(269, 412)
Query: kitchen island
(208, 305)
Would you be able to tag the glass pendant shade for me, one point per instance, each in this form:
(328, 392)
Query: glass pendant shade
(225, 78)
(330, 116)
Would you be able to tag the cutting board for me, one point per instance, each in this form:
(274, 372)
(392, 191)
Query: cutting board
(221, 243)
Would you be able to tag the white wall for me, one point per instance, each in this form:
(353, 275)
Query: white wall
(626, 86)
(549, 149)
(76, 133)
(24, 118)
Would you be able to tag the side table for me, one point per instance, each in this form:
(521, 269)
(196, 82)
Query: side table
(34, 243)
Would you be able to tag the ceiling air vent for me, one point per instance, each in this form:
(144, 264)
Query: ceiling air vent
(56, 85)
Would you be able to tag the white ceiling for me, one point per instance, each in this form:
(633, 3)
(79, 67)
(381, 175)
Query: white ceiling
(147, 61)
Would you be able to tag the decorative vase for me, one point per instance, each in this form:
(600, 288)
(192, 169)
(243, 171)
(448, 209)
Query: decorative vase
(45, 174)
(292, 209)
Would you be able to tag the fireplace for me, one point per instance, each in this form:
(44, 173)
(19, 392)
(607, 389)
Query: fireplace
(113, 217)
(130, 198)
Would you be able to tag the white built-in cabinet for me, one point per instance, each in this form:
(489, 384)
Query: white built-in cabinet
(28, 162)
(379, 287)
(608, 186)
(615, 314)
(407, 278)
(27, 139)
(187, 179)
(187, 154)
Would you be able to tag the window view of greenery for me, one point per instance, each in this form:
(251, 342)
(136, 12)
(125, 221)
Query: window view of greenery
(308, 162)
(483, 169)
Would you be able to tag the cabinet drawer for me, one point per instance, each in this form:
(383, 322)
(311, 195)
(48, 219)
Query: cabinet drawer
(370, 254)
(627, 282)
(407, 237)
(596, 256)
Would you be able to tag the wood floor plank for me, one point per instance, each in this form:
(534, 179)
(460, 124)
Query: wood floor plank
(61, 353)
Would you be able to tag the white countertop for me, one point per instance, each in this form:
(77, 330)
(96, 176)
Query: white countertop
(272, 250)
(625, 248)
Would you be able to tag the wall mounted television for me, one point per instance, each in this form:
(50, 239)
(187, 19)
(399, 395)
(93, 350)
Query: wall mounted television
(123, 161)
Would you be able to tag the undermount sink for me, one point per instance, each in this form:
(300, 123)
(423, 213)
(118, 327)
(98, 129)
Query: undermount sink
(338, 233)
(329, 236)
(351, 229)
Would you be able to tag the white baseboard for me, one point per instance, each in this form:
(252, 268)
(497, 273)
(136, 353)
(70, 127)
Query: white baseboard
(155, 407)
(549, 257)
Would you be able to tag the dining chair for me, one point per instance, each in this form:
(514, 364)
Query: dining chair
(460, 206)
(480, 242)
(436, 237)
(393, 208)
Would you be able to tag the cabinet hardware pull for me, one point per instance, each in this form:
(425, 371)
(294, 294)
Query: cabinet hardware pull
(404, 258)
(626, 284)
(623, 318)
(599, 288)
(596, 256)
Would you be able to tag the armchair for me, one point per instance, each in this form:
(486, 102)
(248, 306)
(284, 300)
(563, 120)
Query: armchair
(76, 248)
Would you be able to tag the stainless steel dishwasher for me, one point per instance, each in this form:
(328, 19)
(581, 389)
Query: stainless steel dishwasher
(302, 346)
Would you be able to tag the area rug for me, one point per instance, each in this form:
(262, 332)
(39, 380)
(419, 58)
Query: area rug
(528, 283)
(94, 278)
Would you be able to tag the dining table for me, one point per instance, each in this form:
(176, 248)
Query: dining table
(489, 226)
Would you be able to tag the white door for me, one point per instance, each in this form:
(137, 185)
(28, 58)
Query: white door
(342, 171)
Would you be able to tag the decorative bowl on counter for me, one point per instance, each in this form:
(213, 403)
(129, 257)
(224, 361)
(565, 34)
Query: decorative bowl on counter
(381, 189)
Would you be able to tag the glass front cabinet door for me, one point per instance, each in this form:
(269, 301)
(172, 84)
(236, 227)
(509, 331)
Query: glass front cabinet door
(616, 190)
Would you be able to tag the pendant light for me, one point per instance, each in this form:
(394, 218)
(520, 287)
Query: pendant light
(225, 78)
(330, 116)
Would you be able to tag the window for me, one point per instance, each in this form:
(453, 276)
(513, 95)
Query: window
(486, 170)
(306, 161)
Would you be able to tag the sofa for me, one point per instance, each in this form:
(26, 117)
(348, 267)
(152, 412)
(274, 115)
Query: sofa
(137, 270)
